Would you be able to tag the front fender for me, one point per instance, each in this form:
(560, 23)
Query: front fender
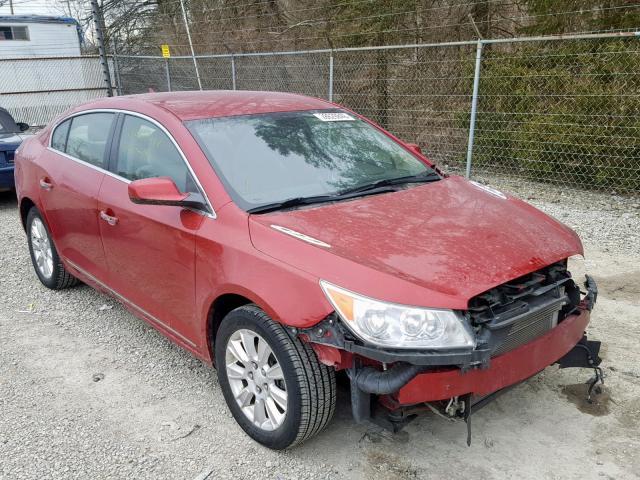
(227, 263)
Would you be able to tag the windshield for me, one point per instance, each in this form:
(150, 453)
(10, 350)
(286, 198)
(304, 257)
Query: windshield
(268, 158)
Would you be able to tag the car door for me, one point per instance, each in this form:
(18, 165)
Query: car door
(71, 172)
(150, 249)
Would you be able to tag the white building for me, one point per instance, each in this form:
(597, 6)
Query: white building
(42, 72)
(39, 36)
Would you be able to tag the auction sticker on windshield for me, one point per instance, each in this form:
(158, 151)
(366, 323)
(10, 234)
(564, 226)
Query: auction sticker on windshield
(333, 117)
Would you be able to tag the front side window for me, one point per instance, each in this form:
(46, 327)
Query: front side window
(13, 33)
(88, 135)
(145, 151)
(59, 137)
(269, 158)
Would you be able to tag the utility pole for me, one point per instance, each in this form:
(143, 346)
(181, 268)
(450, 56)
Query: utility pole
(193, 55)
(98, 20)
(11, 6)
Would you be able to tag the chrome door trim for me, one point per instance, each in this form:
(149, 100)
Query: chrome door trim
(211, 214)
(124, 299)
(87, 164)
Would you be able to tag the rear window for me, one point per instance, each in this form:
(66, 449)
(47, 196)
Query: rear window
(7, 123)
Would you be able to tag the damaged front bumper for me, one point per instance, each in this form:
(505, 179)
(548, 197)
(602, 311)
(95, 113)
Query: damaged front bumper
(414, 378)
(505, 370)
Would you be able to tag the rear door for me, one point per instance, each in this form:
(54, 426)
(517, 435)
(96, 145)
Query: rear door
(71, 172)
(150, 249)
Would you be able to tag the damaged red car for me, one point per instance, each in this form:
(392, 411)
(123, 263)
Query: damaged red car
(285, 239)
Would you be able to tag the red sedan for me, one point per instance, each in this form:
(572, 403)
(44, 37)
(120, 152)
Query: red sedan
(284, 238)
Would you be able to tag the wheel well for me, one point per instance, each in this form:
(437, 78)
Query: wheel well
(25, 205)
(219, 309)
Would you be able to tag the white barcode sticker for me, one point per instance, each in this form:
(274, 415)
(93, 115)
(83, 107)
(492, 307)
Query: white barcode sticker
(334, 117)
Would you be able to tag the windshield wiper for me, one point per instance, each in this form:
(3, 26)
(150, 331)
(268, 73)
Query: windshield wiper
(300, 201)
(424, 177)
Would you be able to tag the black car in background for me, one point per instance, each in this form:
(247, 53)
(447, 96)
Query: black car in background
(11, 136)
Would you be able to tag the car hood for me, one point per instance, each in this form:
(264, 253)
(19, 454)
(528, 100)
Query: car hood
(437, 244)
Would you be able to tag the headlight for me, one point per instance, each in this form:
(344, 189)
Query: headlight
(399, 326)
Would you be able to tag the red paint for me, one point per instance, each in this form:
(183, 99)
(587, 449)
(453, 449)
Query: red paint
(69, 205)
(332, 357)
(507, 369)
(434, 245)
(161, 189)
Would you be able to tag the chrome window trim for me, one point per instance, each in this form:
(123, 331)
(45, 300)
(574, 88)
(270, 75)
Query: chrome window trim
(124, 299)
(211, 214)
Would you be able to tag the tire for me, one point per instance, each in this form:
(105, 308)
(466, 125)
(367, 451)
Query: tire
(310, 386)
(51, 271)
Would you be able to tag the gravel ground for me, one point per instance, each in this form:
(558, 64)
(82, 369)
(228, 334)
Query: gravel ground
(89, 391)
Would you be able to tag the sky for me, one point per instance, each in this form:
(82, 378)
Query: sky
(24, 7)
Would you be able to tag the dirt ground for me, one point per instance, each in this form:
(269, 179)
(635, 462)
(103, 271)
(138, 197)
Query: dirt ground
(89, 391)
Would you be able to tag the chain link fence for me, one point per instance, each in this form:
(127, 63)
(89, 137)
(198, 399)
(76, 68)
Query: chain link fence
(36, 90)
(564, 110)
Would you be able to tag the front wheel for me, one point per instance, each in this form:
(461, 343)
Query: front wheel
(273, 383)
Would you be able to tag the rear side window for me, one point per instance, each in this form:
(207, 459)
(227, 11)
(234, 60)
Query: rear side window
(59, 137)
(88, 135)
(145, 151)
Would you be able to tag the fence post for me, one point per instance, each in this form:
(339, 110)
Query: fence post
(116, 67)
(167, 73)
(99, 23)
(331, 77)
(233, 72)
(193, 55)
(474, 106)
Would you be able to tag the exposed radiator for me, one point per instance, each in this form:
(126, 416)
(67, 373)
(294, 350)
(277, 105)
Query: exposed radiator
(529, 327)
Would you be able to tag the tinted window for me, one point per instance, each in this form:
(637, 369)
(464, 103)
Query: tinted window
(272, 157)
(88, 137)
(145, 151)
(14, 33)
(59, 137)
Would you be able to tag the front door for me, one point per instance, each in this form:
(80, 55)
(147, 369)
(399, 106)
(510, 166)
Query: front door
(150, 249)
(70, 175)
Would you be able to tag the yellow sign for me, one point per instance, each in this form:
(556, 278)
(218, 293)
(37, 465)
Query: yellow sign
(166, 53)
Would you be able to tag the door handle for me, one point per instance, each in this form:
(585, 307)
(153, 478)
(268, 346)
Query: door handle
(110, 219)
(45, 184)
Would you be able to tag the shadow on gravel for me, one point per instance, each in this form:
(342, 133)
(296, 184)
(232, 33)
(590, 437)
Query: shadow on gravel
(8, 200)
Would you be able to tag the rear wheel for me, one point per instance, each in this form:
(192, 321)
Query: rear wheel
(44, 256)
(274, 385)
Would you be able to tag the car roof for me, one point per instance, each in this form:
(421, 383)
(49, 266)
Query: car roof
(192, 105)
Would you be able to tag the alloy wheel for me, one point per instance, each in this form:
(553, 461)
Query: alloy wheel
(256, 379)
(41, 246)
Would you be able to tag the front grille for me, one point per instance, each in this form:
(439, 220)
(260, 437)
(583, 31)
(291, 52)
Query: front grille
(521, 310)
(529, 327)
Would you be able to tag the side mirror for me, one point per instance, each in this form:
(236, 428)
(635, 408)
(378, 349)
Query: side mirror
(163, 191)
(415, 148)
(23, 126)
